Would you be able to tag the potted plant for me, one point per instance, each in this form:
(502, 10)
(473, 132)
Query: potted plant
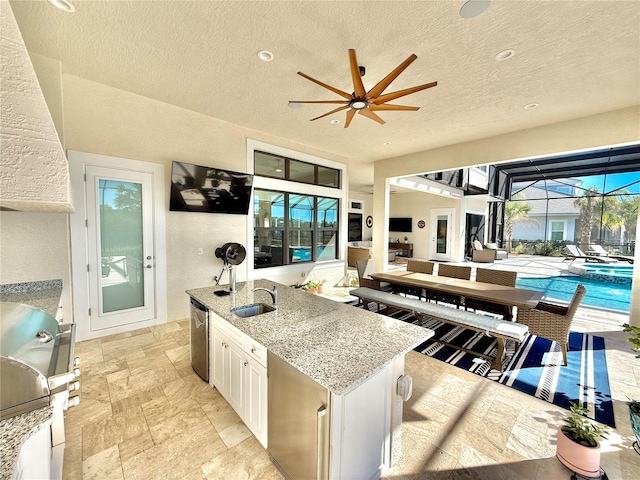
(320, 285)
(311, 287)
(634, 405)
(577, 443)
(106, 267)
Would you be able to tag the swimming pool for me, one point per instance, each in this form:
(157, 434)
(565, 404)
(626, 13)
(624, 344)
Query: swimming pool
(609, 296)
(621, 274)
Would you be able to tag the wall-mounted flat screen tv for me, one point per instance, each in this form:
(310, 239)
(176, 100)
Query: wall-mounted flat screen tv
(400, 224)
(195, 188)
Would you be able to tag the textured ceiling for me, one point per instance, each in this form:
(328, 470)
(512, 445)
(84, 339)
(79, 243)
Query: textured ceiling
(574, 58)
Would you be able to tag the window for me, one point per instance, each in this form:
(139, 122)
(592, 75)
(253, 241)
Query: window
(308, 223)
(276, 166)
(557, 231)
(298, 205)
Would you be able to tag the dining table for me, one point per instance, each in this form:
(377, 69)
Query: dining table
(488, 292)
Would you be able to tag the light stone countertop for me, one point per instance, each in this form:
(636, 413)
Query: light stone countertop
(44, 294)
(15, 431)
(336, 345)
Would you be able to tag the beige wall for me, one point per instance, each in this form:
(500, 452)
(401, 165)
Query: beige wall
(105, 120)
(611, 128)
(418, 206)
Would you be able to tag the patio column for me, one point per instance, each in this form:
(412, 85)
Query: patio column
(634, 314)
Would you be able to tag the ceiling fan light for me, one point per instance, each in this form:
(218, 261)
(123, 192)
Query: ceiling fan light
(473, 8)
(358, 104)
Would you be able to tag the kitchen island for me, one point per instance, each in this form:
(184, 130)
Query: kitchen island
(354, 354)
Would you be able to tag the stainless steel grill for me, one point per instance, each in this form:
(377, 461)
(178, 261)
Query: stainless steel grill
(37, 369)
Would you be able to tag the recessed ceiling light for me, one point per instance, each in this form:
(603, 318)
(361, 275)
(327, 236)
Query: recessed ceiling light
(64, 5)
(295, 105)
(530, 106)
(473, 8)
(263, 55)
(386, 143)
(334, 121)
(503, 55)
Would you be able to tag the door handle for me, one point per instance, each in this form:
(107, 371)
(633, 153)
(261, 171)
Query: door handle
(322, 412)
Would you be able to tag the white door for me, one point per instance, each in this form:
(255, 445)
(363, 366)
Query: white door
(120, 246)
(117, 235)
(442, 234)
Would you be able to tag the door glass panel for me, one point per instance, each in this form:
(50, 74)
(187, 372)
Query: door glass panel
(122, 278)
(441, 235)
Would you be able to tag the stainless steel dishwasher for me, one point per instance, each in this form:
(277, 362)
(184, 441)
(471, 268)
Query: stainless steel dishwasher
(199, 330)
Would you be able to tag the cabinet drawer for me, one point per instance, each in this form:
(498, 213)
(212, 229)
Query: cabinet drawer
(257, 351)
(229, 330)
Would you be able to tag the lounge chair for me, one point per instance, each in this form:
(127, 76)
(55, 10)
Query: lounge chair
(572, 252)
(597, 250)
(552, 321)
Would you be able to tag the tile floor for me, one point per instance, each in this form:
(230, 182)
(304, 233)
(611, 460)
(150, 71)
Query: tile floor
(144, 414)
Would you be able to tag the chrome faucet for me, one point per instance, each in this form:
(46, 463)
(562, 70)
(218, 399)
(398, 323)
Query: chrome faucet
(273, 293)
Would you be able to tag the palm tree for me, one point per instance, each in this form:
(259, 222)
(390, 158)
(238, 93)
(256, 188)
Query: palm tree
(628, 211)
(515, 211)
(586, 218)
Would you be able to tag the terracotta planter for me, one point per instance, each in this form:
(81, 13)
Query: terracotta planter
(578, 458)
(312, 290)
(320, 289)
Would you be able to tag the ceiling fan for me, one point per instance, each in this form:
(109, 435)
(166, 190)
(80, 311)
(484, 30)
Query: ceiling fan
(363, 102)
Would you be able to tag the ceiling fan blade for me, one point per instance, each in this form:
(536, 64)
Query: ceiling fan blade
(401, 93)
(358, 87)
(385, 106)
(386, 81)
(350, 115)
(339, 109)
(328, 87)
(369, 114)
(340, 102)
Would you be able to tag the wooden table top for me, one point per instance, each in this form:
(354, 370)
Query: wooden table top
(500, 294)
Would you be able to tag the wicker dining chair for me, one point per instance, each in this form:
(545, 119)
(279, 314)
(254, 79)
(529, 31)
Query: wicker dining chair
(452, 271)
(552, 321)
(495, 277)
(364, 280)
(417, 266)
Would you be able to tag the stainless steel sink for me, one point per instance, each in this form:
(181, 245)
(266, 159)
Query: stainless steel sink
(252, 310)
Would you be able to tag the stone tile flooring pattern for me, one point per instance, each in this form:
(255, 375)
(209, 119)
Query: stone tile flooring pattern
(144, 414)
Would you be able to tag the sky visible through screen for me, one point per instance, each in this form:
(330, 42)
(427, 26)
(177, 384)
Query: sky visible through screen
(613, 182)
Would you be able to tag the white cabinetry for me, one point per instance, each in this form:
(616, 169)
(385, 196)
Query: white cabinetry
(239, 372)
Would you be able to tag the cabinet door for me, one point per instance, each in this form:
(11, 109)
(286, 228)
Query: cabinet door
(255, 407)
(235, 390)
(219, 361)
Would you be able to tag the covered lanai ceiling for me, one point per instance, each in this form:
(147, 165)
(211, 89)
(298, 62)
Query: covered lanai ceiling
(573, 58)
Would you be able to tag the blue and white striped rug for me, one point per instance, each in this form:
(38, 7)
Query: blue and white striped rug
(535, 368)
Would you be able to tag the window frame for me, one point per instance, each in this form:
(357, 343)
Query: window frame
(552, 231)
(293, 187)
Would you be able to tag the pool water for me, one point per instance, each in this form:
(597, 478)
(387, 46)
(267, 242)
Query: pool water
(609, 296)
